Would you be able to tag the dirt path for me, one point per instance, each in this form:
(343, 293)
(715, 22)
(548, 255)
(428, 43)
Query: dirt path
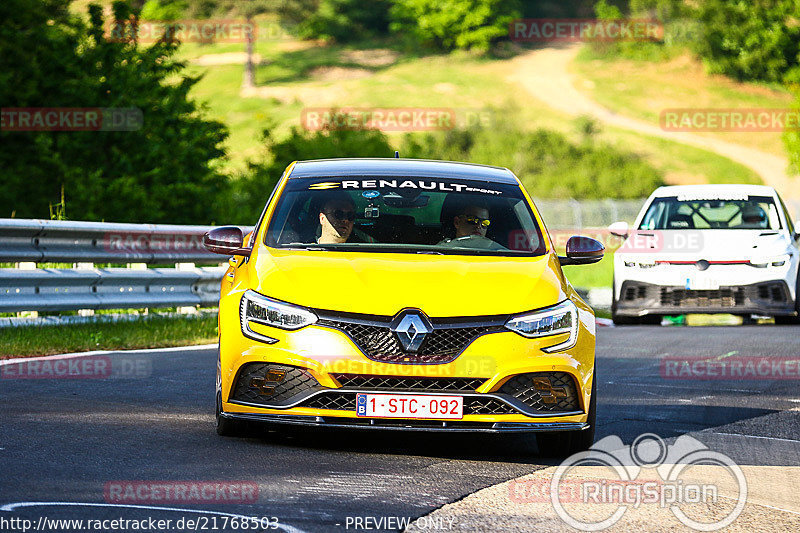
(544, 74)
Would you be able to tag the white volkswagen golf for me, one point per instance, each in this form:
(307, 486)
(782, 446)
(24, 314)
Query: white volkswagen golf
(708, 249)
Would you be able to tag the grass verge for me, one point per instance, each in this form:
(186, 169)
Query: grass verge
(592, 276)
(154, 332)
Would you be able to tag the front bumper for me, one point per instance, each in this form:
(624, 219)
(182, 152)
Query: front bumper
(406, 425)
(324, 354)
(772, 298)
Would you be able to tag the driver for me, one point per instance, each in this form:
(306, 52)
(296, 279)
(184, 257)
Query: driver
(470, 226)
(336, 217)
(753, 217)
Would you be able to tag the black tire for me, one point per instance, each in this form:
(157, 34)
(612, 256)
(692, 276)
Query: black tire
(227, 427)
(566, 443)
(792, 320)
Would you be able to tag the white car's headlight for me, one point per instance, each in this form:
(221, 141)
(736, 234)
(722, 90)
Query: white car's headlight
(262, 310)
(561, 318)
(777, 261)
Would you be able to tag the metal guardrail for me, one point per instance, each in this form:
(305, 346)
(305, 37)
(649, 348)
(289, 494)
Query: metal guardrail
(56, 241)
(110, 288)
(25, 242)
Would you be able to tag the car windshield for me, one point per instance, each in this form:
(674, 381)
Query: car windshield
(730, 212)
(399, 214)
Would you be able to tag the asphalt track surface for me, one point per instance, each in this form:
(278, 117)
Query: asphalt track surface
(63, 440)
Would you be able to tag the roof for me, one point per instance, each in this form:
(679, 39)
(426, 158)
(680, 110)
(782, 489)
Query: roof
(390, 166)
(712, 190)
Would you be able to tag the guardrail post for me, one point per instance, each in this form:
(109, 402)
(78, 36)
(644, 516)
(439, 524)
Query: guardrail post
(189, 309)
(84, 266)
(27, 265)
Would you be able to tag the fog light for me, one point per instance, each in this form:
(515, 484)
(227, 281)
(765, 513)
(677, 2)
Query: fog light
(548, 393)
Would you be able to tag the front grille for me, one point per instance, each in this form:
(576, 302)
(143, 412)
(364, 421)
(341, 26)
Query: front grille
(346, 401)
(544, 391)
(723, 297)
(420, 384)
(340, 401)
(758, 295)
(271, 384)
(378, 342)
(487, 406)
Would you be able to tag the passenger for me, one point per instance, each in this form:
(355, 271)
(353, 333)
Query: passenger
(336, 218)
(473, 220)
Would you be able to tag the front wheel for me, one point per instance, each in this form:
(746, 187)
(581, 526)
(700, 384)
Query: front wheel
(566, 443)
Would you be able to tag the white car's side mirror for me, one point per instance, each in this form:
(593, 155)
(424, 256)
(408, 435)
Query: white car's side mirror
(797, 229)
(620, 229)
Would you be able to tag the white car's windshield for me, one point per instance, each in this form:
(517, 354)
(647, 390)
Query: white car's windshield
(435, 215)
(742, 212)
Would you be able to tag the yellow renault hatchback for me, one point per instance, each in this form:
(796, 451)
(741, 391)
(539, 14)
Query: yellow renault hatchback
(405, 294)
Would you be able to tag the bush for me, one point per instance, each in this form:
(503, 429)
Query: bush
(346, 20)
(253, 188)
(749, 40)
(547, 162)
(163, 9)
(454, 24)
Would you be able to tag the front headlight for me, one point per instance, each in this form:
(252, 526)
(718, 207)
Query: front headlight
(561, 318)
(777, 261)
(262, 310)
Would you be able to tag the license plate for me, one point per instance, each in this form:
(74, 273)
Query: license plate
(701, 283)
(409, 406)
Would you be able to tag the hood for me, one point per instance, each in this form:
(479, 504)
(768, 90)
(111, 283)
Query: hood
(385, 283)
(711, 245)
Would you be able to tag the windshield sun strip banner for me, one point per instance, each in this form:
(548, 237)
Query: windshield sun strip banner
(421, 184)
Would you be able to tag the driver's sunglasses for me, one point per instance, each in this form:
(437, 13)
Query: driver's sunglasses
(338, 214)
(475, 221)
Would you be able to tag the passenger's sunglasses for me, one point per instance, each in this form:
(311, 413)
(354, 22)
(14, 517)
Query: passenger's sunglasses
(338, 214)
(477, 221)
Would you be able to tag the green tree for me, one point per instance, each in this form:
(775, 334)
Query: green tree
(454, 24)
(346, 20)
(255, 186)
(166, 171)
(749, 40)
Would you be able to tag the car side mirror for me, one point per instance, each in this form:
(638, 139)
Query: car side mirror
(620, 229)
(582, 251)
(226, 240)
(797, 229)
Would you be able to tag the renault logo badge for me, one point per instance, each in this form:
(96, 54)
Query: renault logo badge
(411, 328)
